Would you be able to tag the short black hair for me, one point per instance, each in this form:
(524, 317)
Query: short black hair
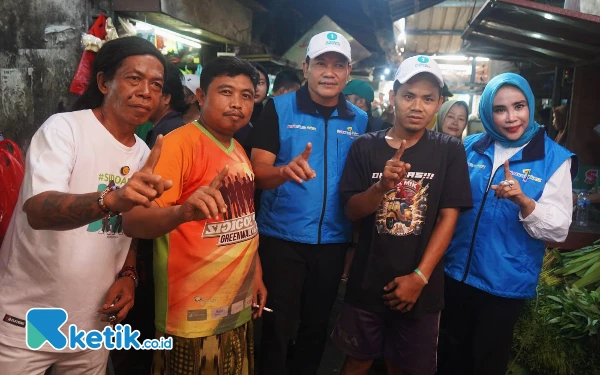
(398, 84)
(261, 69)
(173, 86)
(286, 79)
(108, 60)
(229, 66)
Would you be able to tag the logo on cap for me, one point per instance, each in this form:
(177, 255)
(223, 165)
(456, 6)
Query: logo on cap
(332, 36)
(423, 59)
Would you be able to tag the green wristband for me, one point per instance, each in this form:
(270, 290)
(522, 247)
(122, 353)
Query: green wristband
(421, 276)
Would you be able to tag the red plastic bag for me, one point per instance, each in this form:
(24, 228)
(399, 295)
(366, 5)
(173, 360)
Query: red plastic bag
(13, 149)
(83, 75)
(11, 176)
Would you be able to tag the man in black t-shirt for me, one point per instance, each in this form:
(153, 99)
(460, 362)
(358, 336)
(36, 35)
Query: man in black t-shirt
(405, 187)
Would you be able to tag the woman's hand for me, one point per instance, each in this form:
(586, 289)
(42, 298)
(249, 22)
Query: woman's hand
(511, 190)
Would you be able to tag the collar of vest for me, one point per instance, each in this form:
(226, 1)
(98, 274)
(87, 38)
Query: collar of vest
(306, 104)
(535, 149)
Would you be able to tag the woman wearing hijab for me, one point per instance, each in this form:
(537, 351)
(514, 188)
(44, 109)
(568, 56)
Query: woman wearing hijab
(521, 185)
(452, 118)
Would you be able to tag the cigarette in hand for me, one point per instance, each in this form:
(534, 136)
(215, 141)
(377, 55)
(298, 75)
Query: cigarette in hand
(266, 308)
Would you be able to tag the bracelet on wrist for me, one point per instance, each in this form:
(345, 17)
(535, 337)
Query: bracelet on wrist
(102, 204)
(133, 277)
(131, 272)
(418, 272)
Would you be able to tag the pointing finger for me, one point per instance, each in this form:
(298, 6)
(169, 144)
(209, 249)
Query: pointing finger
(400, 151)
(153, 157)
(507, 175)
(306, 153)
(216, 183)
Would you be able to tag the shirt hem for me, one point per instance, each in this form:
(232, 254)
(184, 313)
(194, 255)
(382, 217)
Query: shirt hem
(194, 335)
(499, 293)
(304, 240)
(420, 311)
(46, 348)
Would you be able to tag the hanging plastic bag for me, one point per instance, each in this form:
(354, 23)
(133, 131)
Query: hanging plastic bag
(11, 177)
(92, 42)
(12, 148)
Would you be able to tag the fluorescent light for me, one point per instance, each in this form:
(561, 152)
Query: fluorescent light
(548, 16)
(386, 71)
(536, 35)
(401, 49)
(168, 34)
(382, 77)
(451, 58)
(456, 67)
(482, 59)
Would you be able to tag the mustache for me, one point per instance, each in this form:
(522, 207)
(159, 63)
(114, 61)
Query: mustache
(234, 113)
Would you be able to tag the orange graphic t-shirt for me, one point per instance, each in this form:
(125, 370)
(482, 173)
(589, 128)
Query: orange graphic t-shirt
(204, 270)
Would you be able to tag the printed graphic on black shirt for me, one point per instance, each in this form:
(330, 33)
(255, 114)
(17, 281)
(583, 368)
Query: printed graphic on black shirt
(404, 209)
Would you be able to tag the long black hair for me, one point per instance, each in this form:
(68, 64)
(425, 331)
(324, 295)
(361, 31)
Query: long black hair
(108, 60)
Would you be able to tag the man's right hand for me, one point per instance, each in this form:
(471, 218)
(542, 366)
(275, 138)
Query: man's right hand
(206, 202)
(298, 169)
(142, 188)
(394, 170)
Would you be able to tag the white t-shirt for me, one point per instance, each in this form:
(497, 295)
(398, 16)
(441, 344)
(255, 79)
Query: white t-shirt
(71, 153)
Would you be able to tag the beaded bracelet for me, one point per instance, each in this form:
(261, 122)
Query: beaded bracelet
(130, 272)
(132, 276)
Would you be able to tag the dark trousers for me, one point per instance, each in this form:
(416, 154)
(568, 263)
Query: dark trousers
(302, 281)
(477, 330)
(140, 317)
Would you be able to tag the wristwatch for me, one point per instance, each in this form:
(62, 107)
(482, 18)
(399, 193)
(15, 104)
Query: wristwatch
(101, 203)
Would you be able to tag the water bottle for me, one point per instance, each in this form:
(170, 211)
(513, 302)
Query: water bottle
(583, 207)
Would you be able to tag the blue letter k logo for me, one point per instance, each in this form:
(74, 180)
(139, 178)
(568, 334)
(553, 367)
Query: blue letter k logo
(44, 325)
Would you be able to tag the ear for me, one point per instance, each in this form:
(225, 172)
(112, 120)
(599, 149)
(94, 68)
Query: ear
(103, 84)
(349, 69)
(305, 69)
(200, 96)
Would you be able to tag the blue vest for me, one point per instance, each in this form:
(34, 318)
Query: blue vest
(490, 249)
(311, 212)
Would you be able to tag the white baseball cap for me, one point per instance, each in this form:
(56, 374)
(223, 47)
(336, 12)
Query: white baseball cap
(328, 41)
(418, 64)
(191, 81)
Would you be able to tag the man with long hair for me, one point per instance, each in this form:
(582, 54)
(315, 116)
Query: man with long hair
(82, 167)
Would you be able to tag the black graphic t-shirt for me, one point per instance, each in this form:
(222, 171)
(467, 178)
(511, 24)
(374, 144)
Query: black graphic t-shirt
(392, 240)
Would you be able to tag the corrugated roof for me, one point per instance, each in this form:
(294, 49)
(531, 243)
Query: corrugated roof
(438, 30)
(528, 31)
(404, 8)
